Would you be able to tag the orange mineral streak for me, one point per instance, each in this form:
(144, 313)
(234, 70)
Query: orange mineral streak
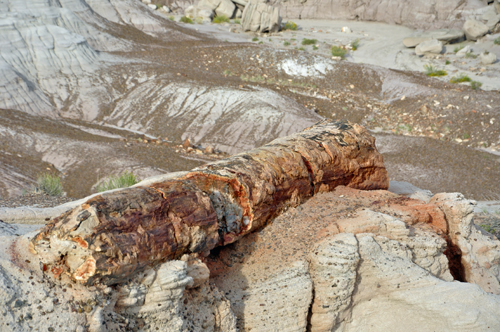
(81, 242)
(86, 270)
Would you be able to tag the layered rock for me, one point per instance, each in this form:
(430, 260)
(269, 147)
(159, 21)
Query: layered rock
(258, 16)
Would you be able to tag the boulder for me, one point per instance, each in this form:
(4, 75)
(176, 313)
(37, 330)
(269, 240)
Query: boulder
(258, 16)
(153, 7)
(205, 13)
(225, 8)
(463, 52)
(487, 58)
(474, 29)
(445, 36)
(433, 46)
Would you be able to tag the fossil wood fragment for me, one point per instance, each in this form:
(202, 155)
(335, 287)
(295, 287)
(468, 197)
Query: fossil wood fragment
(116, 234)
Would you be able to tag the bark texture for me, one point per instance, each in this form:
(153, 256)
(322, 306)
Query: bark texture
(117, 234)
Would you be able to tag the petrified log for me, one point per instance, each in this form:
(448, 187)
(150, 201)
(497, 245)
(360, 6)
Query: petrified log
(116, 234)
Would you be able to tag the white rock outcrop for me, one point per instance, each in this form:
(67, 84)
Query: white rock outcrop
(474, 29)
(432, 46)
(261, 17)
(488, 58)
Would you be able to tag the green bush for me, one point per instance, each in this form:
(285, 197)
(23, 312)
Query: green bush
(286, 43)
(315, 47)
(339, 51)
(126, 179)
(497, 41)
(221, 19)
(306, 41)
(470, 55)
(185, 19)
(255, 39)
(447, 62)
(289, 25)
(475, 85)
(431, 71)
(460, 78)
(171, 18)
(237, 21)
(355, 45)
(49, 184)
(301, 49)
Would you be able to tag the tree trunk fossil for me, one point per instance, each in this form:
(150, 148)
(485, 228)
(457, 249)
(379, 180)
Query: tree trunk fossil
(117, 234)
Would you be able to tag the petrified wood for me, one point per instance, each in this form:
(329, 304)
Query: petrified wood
(116, 234)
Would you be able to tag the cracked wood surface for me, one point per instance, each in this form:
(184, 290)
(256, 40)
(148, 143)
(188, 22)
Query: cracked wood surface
(117, 234)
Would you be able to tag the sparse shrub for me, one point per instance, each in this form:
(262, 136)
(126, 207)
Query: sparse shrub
(49, 184)
(470, 55)
(199, 20)
(447, 62)
(355, 45)
(289, 25)
(221, 19)
(158, 6)
(301, 49)
(255, 39)
(431, 71)
(475, 85)
(458, 48)
(171, 18)
(306, 41)
(460, 78)
(261, 42)
(497, 41)
(126, 179)
(237, 21)
(286, 43)
(185, 19)
(339, 51)
(315, 47)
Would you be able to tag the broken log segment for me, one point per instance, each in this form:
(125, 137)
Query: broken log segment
(116, 234)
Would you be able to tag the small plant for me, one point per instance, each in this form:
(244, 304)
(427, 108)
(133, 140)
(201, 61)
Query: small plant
(306, 41)
(221, 19)
(158, 6)
(315, 47)
(289, 25)
(486, 227)
(431, 71)
(49, 184)
(255, 39)
(470, 55)
(355, 44)
(261, 42)
(339, 51)
(458, 48)
(126, 179)
(497, 41)
(475, 85)
(293, 39)
(447, 62)
(171, 18)
(301, 49)
(286, 43)
(227, 73)
(199, 20)
(185, 19)
(466, 136)
(460, 78)
(237, 21)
